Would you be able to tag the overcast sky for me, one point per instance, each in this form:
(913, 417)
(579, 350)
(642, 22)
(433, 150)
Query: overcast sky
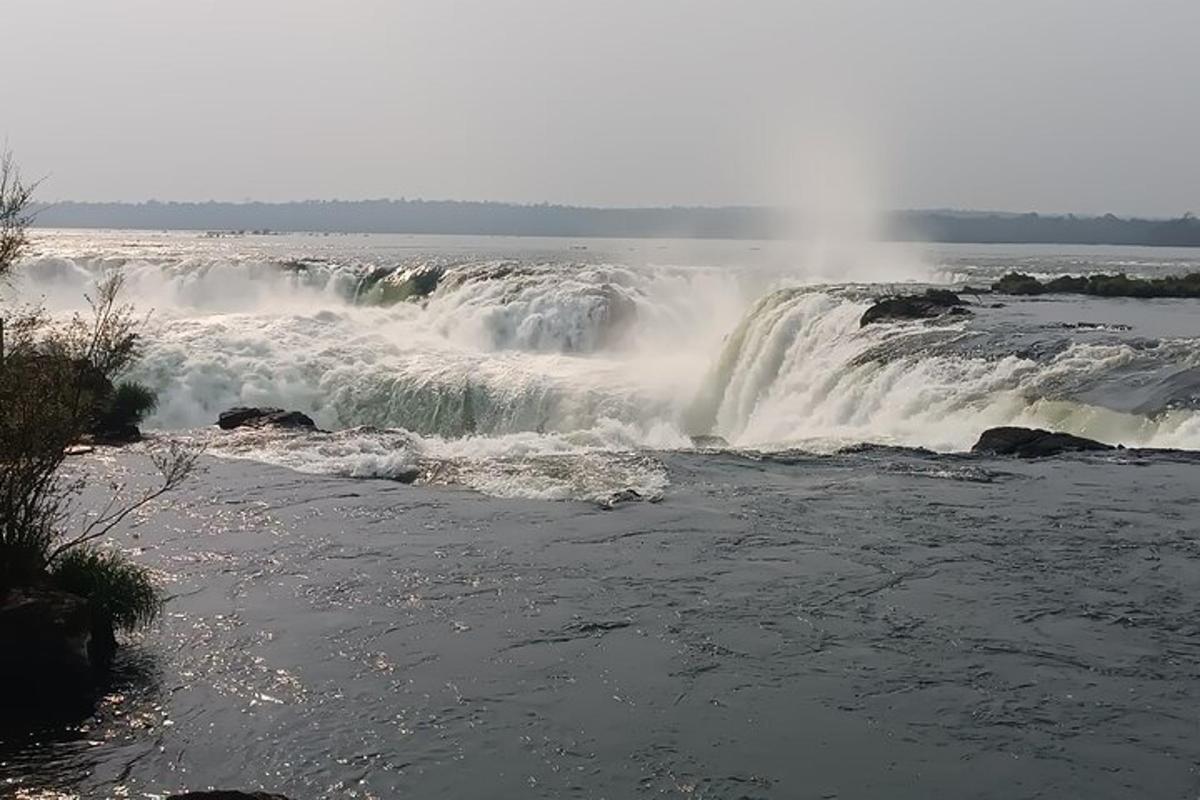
(1050, 105)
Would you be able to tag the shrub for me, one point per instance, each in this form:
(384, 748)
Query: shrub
(123, 408)
(56, 384)
(1119, 285)
(115, 587)
(1018, 283)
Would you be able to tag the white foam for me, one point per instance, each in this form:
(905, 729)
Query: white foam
(353, 453)
(531, 466)
(509, 368)
(794, 375)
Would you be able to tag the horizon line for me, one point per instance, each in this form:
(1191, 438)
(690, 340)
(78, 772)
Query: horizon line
(46, 204)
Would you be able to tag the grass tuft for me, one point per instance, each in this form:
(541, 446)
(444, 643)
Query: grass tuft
(115, 586)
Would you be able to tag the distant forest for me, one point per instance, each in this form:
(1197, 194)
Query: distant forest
(479, 218)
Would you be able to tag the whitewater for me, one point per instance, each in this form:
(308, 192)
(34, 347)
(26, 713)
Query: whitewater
(453, 591)
(559, 368)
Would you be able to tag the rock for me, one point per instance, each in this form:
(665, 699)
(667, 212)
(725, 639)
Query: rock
(264, 417)
(620, 496)
(1118, 285)
(387, 286)
(886, 450)
(240, 415)
(1033, 443)
(283, 419)
(1068, 284)
(1018, 283)
(44, 629)
(225, 794)
(934, 303)
(943, 296)
(1091, 326)
(51, 648)
(114, 435)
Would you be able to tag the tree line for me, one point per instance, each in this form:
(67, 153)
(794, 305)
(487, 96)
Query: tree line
(408, 216)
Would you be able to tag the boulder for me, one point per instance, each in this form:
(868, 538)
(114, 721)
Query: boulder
(1033, 443)
(240, 415)
(620, 496)
(114, 434)
(44, 629)
(256, 417)
(1018, 283)
(225, 794)
(934, 303)
(51, 648)
(709, 442)
(284, 419)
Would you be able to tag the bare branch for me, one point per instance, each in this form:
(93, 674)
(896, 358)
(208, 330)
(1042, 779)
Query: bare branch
(175, 465)
(15, 216)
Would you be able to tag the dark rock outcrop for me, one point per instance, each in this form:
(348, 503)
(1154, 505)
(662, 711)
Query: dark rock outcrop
(620, 496)
(52, 646)
(242, 416)
(43, 630)
(114, 434)
(225, 794)
(1018, 283)
(934, 303)
(1119, 285)
(1033, 443)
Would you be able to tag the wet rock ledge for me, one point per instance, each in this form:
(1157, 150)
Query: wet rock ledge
(53, 647)
(1033, 443)
(264, 417)
(933, 303)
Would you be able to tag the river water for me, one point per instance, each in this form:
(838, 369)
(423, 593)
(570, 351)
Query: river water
(783, 614)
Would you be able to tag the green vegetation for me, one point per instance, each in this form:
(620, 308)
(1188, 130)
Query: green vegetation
(118, 412)
(117, 588)
(1120, 285)
(57, 388)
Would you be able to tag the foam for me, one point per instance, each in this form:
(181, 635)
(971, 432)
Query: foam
(509, 370)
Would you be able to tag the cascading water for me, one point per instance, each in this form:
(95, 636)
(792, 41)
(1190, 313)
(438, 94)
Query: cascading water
(800, 371)
(455, 358)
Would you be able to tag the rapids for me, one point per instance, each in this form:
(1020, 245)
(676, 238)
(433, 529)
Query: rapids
(481, 357)
(786, 617)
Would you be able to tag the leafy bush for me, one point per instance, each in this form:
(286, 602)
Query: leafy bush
(37, 424)
(132, 401)
(1119, 285)
(56, 386)
(115, 586)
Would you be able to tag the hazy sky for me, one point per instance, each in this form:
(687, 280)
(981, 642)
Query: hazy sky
(1052, 105)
